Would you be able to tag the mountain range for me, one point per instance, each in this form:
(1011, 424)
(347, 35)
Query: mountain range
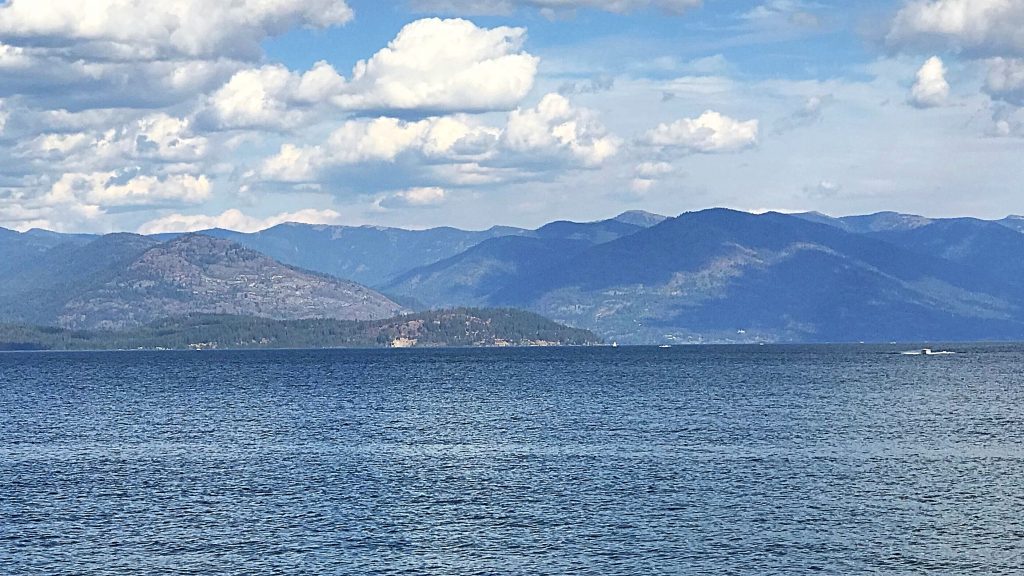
(710, 276)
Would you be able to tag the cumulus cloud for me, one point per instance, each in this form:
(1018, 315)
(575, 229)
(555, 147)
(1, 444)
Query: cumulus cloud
(432, 66)
(653, 169)
(157, 137)
(381, 140)
(931, 88)
(55, 81)
(640, 186)
(236, 220)
(105, 54)
(458, 149)
(140, 29)
(555, 127)
(114, 189)
(414, 198)
(975, 26)
(1005, 80)
(271, 97)
(647, 174)
(710, 133)
(19, 215)
(504, 7)
(442, 66)
(77, 201)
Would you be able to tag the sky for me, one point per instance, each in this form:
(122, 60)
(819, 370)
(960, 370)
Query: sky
(128, 115)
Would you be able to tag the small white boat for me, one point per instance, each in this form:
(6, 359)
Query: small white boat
(615, 344)
(927, 352)
(664, 346)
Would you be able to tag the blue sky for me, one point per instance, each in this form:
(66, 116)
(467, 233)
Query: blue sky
(125, 116)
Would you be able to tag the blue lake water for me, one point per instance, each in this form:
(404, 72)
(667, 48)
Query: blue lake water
(709, 461)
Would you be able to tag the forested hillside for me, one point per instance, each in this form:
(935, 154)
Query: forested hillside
(439, 328)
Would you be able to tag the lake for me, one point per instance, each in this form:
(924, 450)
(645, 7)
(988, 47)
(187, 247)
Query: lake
(703, 461)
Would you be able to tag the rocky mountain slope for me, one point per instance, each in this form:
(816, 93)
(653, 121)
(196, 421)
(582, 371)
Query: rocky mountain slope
(121, 281)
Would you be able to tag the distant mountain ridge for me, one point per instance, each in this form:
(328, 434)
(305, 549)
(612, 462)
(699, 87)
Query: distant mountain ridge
(720, 275)
(471, 277)
(709, 276)
(370, 255)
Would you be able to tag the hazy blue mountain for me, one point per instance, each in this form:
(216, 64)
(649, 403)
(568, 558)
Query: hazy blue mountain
(472, 277)
(884, 221)
(592, 232)
(35, 290)
(377, 256)
(125, 280)
(16, 249)
(641, 218)
(820, 218)
(720, 275)
(20, 248)
(370, 255)
(878, 222)
(53, 238)
(1013, 222)
(710, 276)
(995, 250)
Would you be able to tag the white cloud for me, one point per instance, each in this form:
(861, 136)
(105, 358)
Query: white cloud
(414, 198)
(112, 189)
(710, 133)
(640, 186)
(1007, 121)
(380, 140)
(292, 164)
(21, 216)
(141, 29)
(432, 66)
(653, 169)
(823, 189)
(271, 97)
(82, 201)
(774, 13)
(1005, 80)
(931, 88)
(459, 149)
(55, 80)
(550, 7)
(442, 66)
(554, 126)
(157, 137)
(976, 26)
(234, 219)
(646, 175)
